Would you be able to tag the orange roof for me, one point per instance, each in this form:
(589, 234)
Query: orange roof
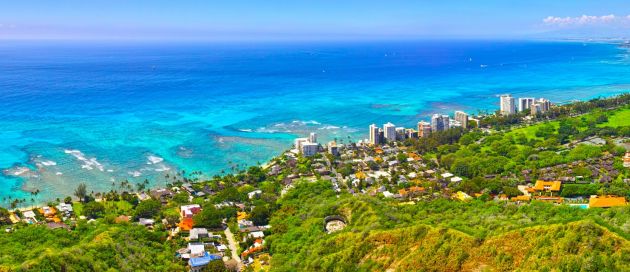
(542, 185)
(412, 189)
(607, 201)
(186, 224)
(520, 198)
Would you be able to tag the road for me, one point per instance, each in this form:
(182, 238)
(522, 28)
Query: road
(232, 245)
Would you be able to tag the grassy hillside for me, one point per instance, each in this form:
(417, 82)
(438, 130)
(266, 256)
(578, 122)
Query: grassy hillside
(90, 247)
(445, 235)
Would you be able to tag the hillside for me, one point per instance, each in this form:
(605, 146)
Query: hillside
(89, 247)
(449, 236)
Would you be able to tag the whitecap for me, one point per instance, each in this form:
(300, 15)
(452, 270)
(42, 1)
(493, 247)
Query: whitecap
(154, 159)
(245, 129)
(88, 163)
(134, 174)
(58, 173)
(162, 169)
(48, 163)
(329, 127)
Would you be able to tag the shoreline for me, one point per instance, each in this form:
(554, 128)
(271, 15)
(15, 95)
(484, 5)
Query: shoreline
(264, 165)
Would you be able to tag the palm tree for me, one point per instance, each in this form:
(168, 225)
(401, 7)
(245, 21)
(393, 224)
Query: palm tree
(81, 191)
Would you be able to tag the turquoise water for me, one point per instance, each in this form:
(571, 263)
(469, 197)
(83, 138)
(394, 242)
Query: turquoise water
(104, 112)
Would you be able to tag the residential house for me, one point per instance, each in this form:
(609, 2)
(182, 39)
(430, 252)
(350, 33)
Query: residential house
(606, 201)
(198, 233)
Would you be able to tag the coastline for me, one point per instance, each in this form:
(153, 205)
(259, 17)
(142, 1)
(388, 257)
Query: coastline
(213, 138)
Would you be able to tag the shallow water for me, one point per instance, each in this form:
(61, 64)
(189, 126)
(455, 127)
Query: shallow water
(103, 112)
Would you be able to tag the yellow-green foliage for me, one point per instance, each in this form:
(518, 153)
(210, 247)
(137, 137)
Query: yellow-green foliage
(443, 235)
(90, 247)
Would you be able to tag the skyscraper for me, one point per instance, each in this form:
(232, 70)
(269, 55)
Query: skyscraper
(462, 118)
(525, 103)
(313, 137)
(439, 122)
(374, 135)
(424, 129)
(545, 104)
(507, 104)
(389, 130)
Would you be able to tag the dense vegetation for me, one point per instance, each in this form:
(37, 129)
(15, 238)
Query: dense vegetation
(450, 235)
(89, 247)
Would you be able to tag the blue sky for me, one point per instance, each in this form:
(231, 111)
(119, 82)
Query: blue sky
(317, 19)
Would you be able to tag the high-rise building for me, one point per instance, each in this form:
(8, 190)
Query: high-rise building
(536, 108)
(462, 118)
(424, 129)
(389, 131)
(440, 122)
(400, 134)
(299, 142)
(446, 122)
(507, 104)
(313, 137)
(333, 148)
(525, 103)
(411, 134)
(309, 149)
(540, 106)
(545, 104)
(374, 135)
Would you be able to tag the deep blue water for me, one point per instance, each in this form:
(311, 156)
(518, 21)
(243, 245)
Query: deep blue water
(101, 112)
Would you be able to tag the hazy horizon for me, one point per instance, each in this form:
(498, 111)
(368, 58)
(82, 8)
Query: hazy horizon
(329, 20)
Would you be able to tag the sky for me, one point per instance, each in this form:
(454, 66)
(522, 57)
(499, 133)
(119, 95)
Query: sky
(315, 19)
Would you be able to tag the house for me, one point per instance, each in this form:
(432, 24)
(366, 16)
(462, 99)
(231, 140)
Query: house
(187, 211)
(447, 175)
(256, 234)
(198, 233)
(606, 201)
(142, 196)
(521, 198)
(456, 179)
(545, 186)
(254, 193)
(65, 209)
(626, 160)
(188, 188)
(29, 217)
(146, 222)
(14, 218)
(121, 219)
(411, 191)
(161, 194)
(55, 225)
(462, 196)
(196, 250)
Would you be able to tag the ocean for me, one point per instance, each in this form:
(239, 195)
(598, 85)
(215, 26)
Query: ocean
(103, 112)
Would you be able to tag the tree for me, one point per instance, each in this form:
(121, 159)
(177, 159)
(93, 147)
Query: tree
(4, 216)
(93, 209)
(209, 217)
(81, 192)
(148, 209)
(260, 215)
(215, 266)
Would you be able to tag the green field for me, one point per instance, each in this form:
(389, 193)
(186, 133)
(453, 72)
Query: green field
(618, 118)
(530, 131)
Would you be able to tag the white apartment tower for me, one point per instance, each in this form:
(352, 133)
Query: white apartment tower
(312, 137)
(462, 118)
(525, 103)
(389, 131)
(507, 104)
(374, 135)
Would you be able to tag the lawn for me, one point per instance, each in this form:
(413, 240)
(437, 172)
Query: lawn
(111, 207)
(530, 131)
(618, 118)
